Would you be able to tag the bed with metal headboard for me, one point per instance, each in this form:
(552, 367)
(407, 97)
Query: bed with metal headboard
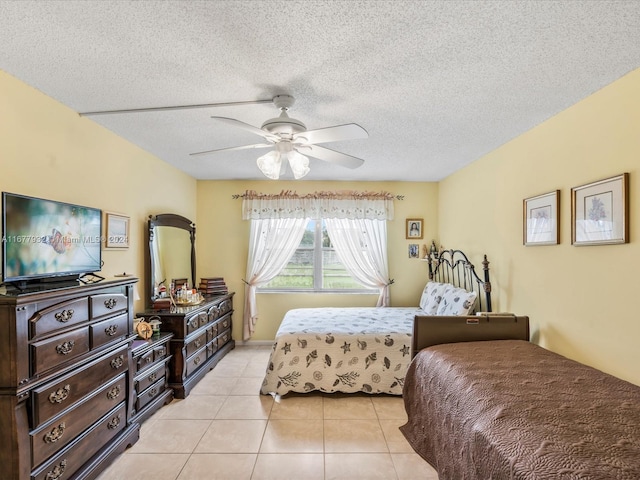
(368, 349)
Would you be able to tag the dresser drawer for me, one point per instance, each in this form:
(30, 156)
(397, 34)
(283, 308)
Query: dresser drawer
(60, 315)
(224, 323)
(50, 438)
(146, 396)
(144, 361)
(212, 347)
(225, 306)
(108, 304)
(150, 377)
(63, 465)
(53, 398)
(109, 330)
(203, 319)
(212, 332)
(193, 324)
(223, 338)
(159, 352)
(196, 344)
(47, 354)
(196, 360)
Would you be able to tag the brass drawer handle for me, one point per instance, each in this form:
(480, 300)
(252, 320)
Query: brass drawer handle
(64, 316)
(197, 343)
(161, 351)
(117, 362)
(196, 360)
(56, 434)
(65, 348)
(110, 303)
(60, 395)
(193, 322)
(153, 377)
(111, 330)
(57, 472)
(153, 392)
(114, 422)
(114, 392)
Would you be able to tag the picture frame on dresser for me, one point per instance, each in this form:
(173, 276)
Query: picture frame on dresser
(541, 219)
(600, 212)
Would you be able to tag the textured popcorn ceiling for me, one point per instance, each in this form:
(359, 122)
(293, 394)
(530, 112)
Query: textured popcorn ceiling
(437, 84)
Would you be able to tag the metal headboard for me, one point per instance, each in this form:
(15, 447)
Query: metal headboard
(453, 266)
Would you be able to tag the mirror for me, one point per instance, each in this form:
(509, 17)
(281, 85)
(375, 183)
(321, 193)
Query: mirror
(171, 254)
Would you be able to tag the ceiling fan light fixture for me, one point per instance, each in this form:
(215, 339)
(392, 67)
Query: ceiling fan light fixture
(270, 164)
(299, 164)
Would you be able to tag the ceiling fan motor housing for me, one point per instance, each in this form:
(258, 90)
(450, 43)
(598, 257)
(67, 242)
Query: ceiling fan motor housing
(284, 125)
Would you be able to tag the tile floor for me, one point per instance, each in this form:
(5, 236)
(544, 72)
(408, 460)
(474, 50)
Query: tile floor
(226, 430)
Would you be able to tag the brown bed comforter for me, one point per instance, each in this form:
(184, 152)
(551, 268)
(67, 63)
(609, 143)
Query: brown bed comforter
(509, 409)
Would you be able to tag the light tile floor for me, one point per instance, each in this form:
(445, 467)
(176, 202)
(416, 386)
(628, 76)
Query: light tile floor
(226, 430)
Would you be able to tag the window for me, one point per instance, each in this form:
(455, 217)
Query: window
(315, 266)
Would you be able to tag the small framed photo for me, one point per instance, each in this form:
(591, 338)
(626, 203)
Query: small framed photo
(116, 231)
(541, 219)
(600, 212)
(414, 228)
(414, 250)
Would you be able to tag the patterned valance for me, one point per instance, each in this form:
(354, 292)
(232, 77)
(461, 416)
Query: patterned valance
(339, 204)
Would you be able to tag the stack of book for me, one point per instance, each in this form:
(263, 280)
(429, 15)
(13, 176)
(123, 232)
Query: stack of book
(213, 286)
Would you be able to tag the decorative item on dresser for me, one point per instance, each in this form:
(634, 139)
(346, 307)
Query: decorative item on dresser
(201, 338)
(65, 379)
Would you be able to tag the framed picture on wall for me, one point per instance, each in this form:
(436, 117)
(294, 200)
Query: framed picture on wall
(600, 212)
(541, 219)
(414, 250)
(414, 228)
(116, 231)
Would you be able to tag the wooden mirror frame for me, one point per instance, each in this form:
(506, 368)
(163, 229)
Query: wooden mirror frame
(167, 220)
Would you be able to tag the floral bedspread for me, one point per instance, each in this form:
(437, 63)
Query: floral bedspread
(353, 349)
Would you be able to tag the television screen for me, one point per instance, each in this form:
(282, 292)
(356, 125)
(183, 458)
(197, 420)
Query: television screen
(45, 238)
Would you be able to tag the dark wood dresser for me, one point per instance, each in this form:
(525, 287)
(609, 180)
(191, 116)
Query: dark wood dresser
(65, 384)
(150, 371)
(202, 337)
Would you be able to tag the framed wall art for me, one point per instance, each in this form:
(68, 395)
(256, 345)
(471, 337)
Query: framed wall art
(600, 212)
(414, 228)
(414, 251)
(116, 231)
(541, 219)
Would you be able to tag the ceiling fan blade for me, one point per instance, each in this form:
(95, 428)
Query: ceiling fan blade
(350, 131)
(176, 107)
(247, 127)
(331, 156)
(229, 149)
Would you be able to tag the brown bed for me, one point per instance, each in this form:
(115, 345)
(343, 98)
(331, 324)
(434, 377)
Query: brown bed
(509, 409)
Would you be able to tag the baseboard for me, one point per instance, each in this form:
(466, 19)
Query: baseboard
(254, 343)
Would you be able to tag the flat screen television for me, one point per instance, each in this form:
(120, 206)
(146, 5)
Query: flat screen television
(48, 240)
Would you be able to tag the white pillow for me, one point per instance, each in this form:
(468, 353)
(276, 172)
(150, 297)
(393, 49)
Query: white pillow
(457, 301)
(431, 296)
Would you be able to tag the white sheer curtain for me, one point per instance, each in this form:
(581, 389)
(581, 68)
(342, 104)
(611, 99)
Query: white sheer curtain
(277, 225)
(272, 242)
(361, 246)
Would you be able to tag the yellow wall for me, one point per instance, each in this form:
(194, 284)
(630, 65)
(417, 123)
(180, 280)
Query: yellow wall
(581, 300)
(47, 150)
(222, 242)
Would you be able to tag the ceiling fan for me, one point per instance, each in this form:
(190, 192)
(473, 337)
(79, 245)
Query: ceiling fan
(288, 136)
(291, 141)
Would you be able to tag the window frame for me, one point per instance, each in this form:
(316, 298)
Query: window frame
(318, 251)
